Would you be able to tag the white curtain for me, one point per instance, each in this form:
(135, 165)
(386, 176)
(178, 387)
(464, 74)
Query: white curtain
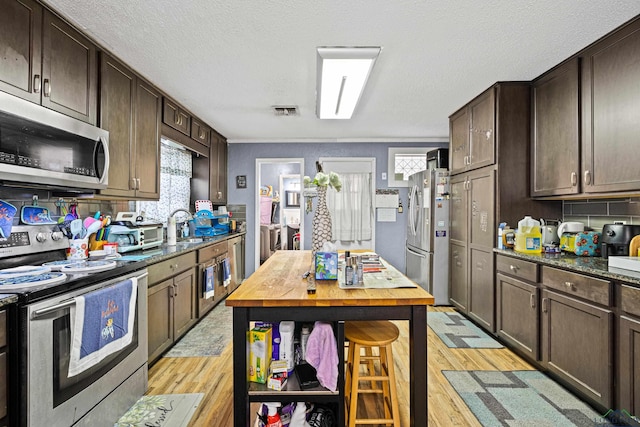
(175, 184)
(351, 208)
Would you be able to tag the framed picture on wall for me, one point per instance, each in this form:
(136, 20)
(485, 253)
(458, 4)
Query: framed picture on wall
(241, 181)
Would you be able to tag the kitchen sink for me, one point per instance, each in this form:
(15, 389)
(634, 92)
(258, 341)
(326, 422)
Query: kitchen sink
(187, 242)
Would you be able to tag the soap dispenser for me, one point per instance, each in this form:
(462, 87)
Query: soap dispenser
(185, 229)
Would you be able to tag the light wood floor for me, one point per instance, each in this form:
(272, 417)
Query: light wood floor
(213, 377)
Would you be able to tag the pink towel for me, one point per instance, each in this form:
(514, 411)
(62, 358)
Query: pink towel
(322, 354)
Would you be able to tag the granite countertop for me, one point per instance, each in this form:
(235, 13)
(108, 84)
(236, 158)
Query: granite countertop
(6, 299)
(594, 266)
(165, 251)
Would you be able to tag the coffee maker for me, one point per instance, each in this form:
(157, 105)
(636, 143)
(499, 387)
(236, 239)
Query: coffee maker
(616, 239)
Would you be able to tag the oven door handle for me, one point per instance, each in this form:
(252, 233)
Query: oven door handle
(65, 304)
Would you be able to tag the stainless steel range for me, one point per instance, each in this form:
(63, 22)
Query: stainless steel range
(44, 392)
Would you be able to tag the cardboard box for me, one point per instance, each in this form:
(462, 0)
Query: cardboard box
(326, 265)
(277, 381)
(259, 354)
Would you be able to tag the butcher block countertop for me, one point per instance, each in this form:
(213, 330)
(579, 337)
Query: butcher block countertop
(279, 282)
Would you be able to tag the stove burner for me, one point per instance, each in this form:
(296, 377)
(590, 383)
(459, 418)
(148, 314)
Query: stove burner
(25, 270)
(20, 282)
(88, 266)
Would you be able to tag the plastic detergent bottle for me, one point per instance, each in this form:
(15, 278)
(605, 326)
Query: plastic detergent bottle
(273, 417)
(528, 236)
(286, 330)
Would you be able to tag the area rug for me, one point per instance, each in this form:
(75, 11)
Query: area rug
(162, 410)
(458, 332)
(209, 337)
(520, 398)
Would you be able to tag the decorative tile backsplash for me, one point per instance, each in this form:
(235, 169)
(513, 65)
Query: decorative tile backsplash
(595, 213)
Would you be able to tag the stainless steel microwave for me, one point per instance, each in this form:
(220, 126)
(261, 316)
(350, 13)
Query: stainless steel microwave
(43, 148)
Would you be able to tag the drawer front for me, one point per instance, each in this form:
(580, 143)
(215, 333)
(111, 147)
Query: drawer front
(630, 299)
(521, 269)
(589, 288)
(210, 252)
(165, 269)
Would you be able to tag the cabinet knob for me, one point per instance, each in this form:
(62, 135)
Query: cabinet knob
(587, 177)
(574, 179)
(570, 286)
(513, 268)
(544, 305)
(488, 134)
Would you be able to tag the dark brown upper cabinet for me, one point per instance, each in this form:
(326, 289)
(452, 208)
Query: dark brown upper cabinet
(174, 116)
(610, 104)
(555, 132)
(130, 110)
(472, 130)
(50, 63)
(200, 132)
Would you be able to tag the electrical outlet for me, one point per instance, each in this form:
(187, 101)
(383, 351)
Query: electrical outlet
(384, 176)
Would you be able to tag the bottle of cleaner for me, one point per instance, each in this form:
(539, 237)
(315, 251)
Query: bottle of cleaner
(273, 417)
(286, 329)
(528, 236)
(304, 337)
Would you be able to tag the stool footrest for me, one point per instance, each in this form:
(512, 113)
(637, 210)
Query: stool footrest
(373, 378)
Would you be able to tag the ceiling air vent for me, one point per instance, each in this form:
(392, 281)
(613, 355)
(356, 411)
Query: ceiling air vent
(282, 110)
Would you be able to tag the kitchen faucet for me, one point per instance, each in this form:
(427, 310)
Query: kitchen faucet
(189, 215)
(171, 223)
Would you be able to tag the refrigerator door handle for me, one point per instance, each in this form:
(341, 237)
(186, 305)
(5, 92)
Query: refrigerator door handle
(412, 204)
(416, 253)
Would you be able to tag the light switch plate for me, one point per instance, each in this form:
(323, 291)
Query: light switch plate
(384, 176)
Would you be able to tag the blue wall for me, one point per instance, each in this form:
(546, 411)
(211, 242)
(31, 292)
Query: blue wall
(390, 236)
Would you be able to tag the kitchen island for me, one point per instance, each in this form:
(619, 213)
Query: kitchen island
(277, 291)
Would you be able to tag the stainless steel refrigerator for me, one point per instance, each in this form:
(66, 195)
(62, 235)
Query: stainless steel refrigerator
(427, 251)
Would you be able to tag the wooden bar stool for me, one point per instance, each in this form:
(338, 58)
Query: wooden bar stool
(368, 335)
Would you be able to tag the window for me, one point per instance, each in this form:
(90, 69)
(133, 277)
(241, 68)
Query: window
(405, 161)
(175, 183)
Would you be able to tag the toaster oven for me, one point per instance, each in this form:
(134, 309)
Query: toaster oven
(136, 237)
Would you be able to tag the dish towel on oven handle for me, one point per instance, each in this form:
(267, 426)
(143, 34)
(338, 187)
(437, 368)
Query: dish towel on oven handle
(102, 323)
(226, 272)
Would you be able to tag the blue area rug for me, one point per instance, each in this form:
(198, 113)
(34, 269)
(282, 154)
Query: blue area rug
(520, 398)
(456, 331)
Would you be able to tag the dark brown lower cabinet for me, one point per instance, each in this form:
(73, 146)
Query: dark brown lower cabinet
(517, 314)
(172, 301)
(458, 285)
(577, 345)
(629, 377)
(481, 289)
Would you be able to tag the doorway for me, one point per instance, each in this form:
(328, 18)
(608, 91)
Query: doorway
(354, 166)
(276, 182)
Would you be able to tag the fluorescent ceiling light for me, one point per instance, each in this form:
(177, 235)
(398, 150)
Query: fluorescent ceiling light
(342, 75)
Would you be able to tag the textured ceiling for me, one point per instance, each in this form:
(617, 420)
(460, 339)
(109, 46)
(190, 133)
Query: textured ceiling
(229, 61)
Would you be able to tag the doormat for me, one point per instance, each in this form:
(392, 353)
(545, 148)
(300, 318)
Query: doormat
(162, 410)
(209, 337)
(508, 398)
(456, 331)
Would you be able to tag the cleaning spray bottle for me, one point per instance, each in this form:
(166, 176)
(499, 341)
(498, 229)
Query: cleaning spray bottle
(273, 417)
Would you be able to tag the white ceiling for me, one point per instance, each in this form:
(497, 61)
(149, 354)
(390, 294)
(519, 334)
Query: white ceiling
(229, 61)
